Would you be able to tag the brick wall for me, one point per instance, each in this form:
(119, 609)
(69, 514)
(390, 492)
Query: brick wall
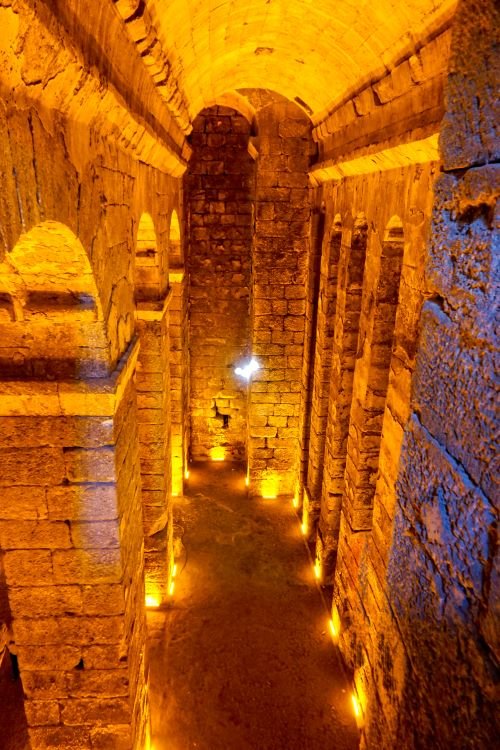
(219, 191)
(280, 268)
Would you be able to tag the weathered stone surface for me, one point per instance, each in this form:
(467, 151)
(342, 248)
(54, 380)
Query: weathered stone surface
(451, 524)
(219, 190)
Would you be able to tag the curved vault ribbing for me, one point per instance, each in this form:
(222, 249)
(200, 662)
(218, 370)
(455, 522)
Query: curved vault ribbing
(314, 52)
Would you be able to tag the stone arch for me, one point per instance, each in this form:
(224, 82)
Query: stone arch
(147, 265)
(51, 317)
(367, 413)
(175, 254)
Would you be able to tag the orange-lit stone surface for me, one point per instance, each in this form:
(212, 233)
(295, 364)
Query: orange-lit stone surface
(185, 186)
(243, 656)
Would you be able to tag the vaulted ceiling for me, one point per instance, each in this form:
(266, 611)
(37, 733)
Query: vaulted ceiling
(313, 51)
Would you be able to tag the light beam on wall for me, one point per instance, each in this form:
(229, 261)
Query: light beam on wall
(248, 370)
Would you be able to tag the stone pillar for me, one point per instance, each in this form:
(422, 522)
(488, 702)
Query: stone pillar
(347, 315)
(179, 377)
(218, 188)
(153, 400)
(279, 258)
(322, 362)
(371, 380)
(71, 540)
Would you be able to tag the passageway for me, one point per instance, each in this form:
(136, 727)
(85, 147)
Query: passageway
(243, 658)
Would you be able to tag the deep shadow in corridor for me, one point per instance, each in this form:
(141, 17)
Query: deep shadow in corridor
(242, 659)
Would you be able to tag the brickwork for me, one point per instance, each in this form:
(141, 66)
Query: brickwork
(376, 336)
(153, 399)
(368, 300)
(280, 267)
(326, 307)
(311, 504)
(435, 577)
(345, 350)
(219, 188)
(71, 540)
(310, 52)
(179, 377)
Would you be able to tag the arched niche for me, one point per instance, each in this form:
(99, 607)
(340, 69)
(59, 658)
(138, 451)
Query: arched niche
(175, 255)
(147, 266)
(367, 413)
(51, 318)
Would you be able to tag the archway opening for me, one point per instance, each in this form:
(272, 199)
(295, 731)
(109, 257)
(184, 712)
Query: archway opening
(51, 319)
(147, 270)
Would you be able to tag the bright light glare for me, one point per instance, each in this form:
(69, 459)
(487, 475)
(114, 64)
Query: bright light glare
(152, 601)
(218, 453)
(174, 570)
(333, 630)
(247, 481)
(317, 569)
(356, 706)
(304, 527)
(295, 501)
(171, 588)
(186, 474)
(247, 371)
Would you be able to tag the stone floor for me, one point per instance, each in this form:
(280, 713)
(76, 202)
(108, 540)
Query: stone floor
(242, 658)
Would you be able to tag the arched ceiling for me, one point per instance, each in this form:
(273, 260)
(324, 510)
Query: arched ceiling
(316, 51)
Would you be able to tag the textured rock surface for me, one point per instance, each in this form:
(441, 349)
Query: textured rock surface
(353, 257)
(219, 188)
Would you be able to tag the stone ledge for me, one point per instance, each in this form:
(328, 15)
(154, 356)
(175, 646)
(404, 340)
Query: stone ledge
(154, 309)
(96, 397)
(415, 152)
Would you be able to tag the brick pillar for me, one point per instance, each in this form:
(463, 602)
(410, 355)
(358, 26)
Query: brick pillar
(153, 400)
(371, 380)
(179, 377)
(325, 326)
(279, 257)
(347, 315)
(71, 540)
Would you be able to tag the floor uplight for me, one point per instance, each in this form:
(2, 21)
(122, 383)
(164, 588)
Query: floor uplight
(317, 570)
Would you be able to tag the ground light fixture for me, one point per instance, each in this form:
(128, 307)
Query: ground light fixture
(247, 370)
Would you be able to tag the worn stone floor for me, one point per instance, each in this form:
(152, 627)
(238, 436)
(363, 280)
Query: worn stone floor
(242, 658)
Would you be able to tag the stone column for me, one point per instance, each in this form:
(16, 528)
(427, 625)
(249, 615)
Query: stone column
(71, 540)
(153, 399)
(322, 363)
(279, 270)
(179, 377)
(347, 315)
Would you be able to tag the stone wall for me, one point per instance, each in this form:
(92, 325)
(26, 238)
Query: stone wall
(435, 663)
(414, 514)
(72, 538)
(219, 189)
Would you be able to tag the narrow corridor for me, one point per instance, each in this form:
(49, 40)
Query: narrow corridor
(243, 658)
